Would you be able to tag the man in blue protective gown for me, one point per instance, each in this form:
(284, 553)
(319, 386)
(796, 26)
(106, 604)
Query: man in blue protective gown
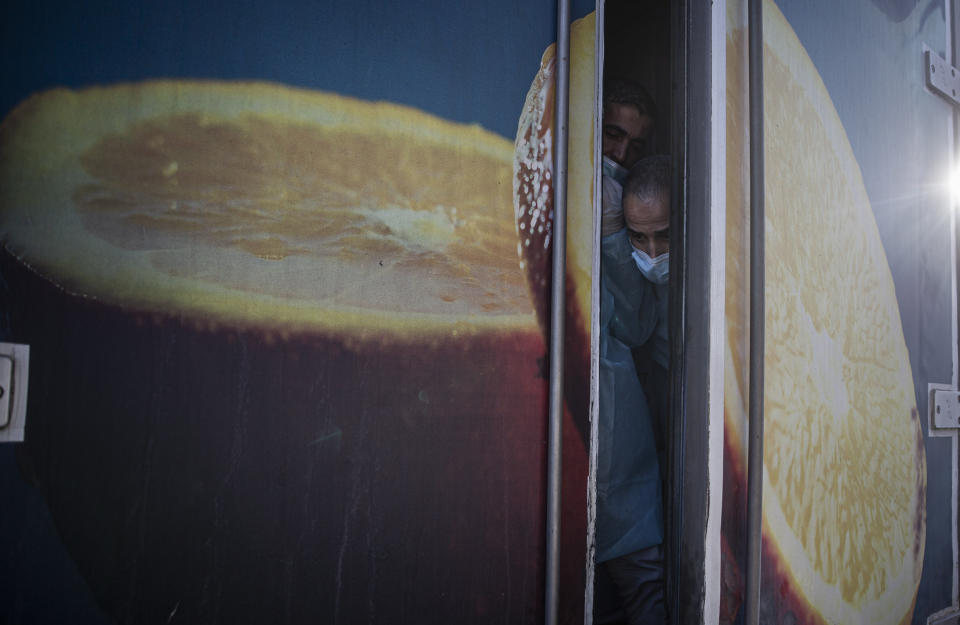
(633, 315)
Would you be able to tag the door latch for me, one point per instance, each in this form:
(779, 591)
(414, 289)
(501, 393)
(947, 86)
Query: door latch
(946, 409)
(14, 370)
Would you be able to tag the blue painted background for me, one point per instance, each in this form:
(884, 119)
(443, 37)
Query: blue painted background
(465, 61)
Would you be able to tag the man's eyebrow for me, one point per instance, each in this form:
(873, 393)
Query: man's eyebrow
(661, 231)
(614, 127)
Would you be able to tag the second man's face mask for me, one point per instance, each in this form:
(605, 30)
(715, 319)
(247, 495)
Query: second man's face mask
(656, 270)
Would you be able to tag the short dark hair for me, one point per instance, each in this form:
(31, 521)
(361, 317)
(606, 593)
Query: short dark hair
(620, 91)
(649, 178)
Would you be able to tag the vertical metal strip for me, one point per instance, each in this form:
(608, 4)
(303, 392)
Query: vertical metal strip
(755, 427)
(952, 26)
(681, 120)
(717, 217)
(557, 309)
(590, 564)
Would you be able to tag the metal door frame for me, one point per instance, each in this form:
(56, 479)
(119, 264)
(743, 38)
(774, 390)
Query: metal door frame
(697, 324)
(697, 310)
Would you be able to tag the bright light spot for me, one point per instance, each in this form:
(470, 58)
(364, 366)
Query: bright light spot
(954, 185)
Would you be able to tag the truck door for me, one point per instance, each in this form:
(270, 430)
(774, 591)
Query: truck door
(859, 494)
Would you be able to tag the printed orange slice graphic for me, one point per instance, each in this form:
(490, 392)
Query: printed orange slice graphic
(261, 202)
(533, 201)
(275, 334)
(844, 463)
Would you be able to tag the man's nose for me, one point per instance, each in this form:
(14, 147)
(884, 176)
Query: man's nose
(647, 247)
(657, 247)
(619, 152)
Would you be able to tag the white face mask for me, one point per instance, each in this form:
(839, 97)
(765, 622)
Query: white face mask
(656, 270)
(614, 169)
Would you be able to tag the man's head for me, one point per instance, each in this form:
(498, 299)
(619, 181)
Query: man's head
(628, 119)
(646, 205)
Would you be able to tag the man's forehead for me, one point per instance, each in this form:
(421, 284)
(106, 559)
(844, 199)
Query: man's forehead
(645, 212)
(622, 114)
(623, 108)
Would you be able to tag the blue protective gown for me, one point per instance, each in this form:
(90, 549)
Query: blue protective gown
(629, 501)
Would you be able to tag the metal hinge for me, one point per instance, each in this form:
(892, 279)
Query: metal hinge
(942, 77)
(14, 370)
